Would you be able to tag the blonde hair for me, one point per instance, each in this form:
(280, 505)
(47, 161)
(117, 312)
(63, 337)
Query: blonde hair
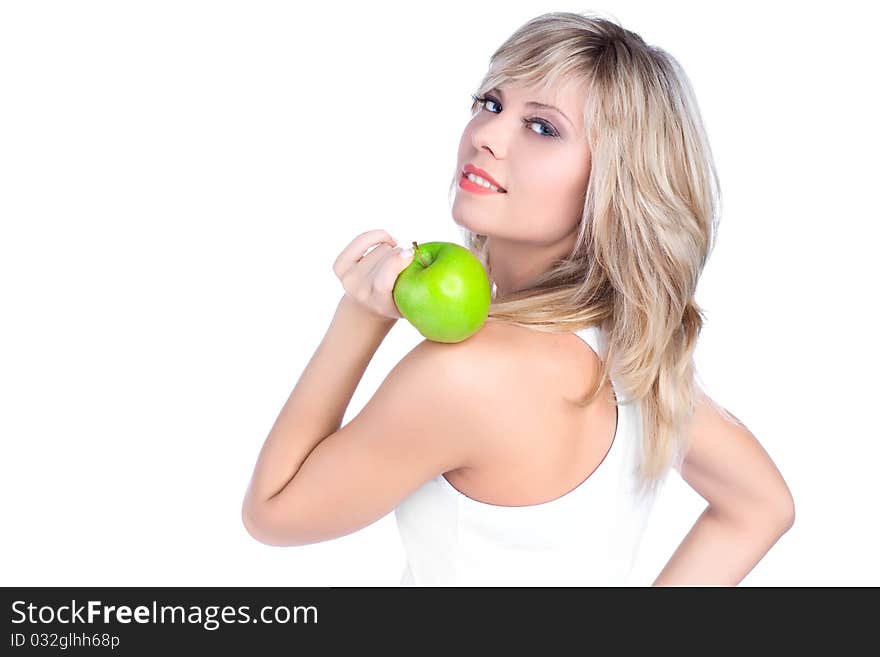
(648, 224)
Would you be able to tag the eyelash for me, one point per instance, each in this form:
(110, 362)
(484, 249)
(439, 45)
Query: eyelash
(482, 100)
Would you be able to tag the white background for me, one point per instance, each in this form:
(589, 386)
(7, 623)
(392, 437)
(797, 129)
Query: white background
(177, 178)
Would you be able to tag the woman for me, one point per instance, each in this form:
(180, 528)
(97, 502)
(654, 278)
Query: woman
(516, 456)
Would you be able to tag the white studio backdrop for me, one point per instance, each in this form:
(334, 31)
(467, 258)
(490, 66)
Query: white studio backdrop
(177, 178)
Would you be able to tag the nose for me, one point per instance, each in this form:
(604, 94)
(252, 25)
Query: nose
(489, 135)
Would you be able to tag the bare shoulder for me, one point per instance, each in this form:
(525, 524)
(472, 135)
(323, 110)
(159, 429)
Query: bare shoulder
(534, 355)
(457, 366)
(517, 379)
(453, 387)
(471, 371)
(475, 359)
(478, 379)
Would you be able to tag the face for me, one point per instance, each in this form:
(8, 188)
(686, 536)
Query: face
(540, 156)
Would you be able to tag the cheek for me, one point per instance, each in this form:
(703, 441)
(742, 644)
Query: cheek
(555, 191)
(553, 168)
(552, 182)
(575, 178)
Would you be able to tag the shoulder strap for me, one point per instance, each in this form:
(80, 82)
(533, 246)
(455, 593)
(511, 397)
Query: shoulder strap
(591, 336)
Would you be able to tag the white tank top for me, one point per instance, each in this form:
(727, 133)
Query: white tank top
(587, 537)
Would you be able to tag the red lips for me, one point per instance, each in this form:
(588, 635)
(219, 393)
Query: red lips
(477, 171)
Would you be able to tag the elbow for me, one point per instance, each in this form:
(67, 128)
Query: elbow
(779, 511)
(263, 529)
(249, 520)
(770, 513)
(254, 517)
(787, 513)
(781, 503)
(256, 526)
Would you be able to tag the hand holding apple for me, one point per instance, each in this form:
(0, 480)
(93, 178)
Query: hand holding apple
(369, 279)
(444, 292)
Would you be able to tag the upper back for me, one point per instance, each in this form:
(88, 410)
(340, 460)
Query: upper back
(539, 444)
(553, 500)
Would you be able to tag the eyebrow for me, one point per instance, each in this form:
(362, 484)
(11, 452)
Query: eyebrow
(533, 103)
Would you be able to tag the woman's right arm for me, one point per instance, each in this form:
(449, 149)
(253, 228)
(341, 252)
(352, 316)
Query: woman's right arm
(750, 505)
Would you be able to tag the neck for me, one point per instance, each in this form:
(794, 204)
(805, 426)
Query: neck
(514, 265)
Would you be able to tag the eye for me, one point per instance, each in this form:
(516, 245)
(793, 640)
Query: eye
(482, 100)
(541, 122)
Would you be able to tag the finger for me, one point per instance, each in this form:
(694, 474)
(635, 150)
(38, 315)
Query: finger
(373, 248)
(362, 271)
(392, 265)
(368, 264)
(355, 250)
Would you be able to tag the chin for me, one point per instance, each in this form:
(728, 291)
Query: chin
(479, 227)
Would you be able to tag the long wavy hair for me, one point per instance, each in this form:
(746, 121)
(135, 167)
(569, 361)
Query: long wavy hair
(648, 224)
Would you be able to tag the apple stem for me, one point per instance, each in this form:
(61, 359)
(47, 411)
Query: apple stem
(419, 253)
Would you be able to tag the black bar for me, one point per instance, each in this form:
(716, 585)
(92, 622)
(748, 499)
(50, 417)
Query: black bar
(349, 620)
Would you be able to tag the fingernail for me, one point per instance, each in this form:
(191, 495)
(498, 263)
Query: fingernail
(406, 253)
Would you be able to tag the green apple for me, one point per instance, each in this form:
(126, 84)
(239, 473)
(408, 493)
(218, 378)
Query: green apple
(444, 292)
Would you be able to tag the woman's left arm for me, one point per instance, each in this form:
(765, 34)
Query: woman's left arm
(750, 505)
